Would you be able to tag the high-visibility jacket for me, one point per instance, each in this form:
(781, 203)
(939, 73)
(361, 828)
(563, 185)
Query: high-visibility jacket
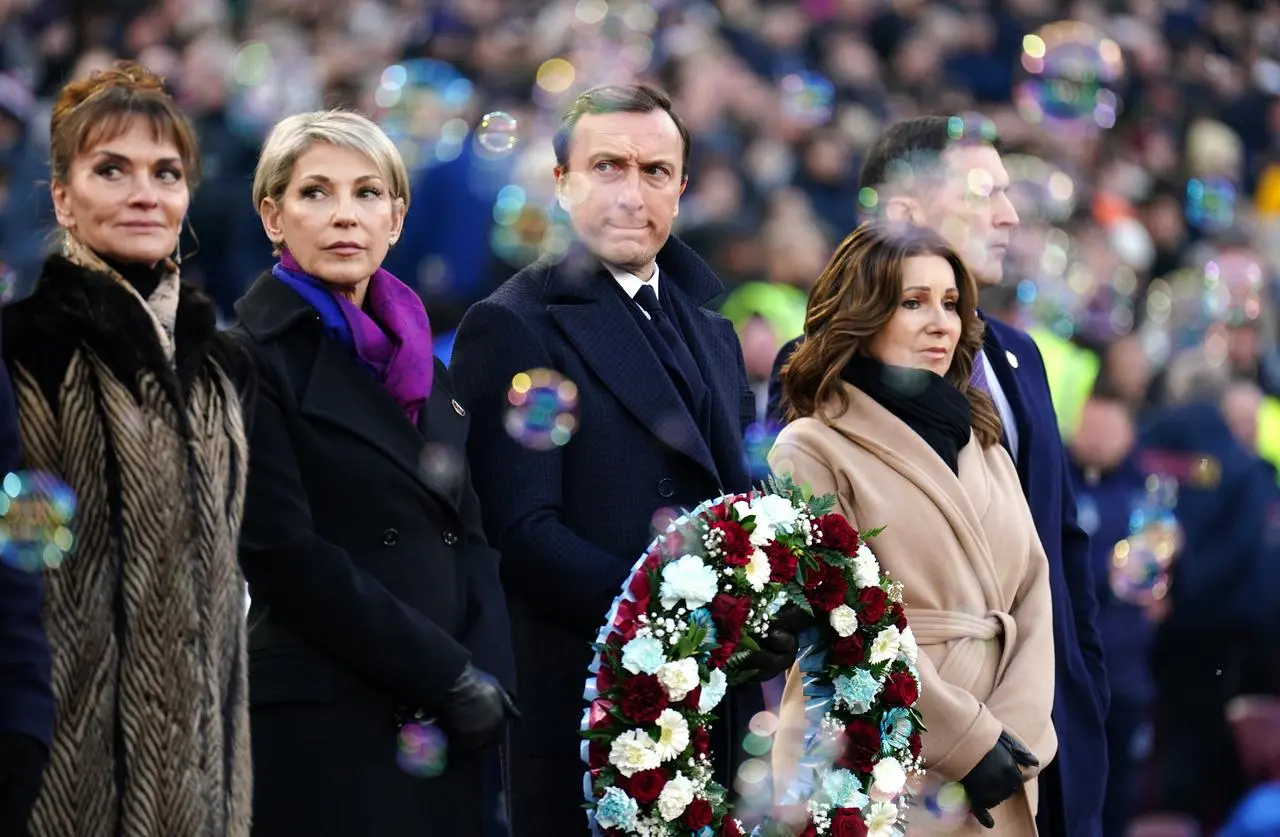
(1072, 371)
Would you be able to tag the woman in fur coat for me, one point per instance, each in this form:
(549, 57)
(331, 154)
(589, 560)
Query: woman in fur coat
(128, 394)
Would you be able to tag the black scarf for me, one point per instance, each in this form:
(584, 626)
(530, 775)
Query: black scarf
(928, 403)
(145, 278)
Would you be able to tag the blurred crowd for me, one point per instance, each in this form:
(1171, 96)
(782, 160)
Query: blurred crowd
(1143, 142)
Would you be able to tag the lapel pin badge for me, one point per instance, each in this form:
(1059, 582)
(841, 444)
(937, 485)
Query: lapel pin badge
(1012, 358)
(457, 408)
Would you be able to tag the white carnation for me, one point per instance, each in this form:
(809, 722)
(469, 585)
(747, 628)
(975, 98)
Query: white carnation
(674, 738)
(885, 647)
(772, 514)
(758, 571)
(907, 645)
(844, 620)
(679, 678)
(713, 691)
(866, 569)
(887, 779)
(689, 579)
(634, 751)
(675, 797)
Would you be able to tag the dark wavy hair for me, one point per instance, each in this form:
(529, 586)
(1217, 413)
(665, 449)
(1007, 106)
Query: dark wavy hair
(856, 295)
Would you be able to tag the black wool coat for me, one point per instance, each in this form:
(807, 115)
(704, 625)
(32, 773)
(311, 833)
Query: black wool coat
(572, 521)
(372, 585)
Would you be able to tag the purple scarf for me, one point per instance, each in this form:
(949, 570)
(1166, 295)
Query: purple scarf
(394, 344)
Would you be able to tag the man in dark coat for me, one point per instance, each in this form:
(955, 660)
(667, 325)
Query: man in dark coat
(26, 697)
(662, 399)
(946, 174)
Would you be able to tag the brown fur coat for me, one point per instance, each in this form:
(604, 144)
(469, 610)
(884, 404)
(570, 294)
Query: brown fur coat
(134, 404)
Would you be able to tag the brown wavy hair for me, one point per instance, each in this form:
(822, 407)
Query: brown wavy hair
(858, 292)
(104, 106)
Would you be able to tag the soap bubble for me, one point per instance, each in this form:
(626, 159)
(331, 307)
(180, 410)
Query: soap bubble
(1139, 568)
(1211, 203)
(423, 106)
(807, 99)
(758, 439)
(497, 132)
(8, 283)
(542, 412)
(940, 806)
(1073, 71)
(271, 79)
(36, 510)
(422, 750)
(443, 466)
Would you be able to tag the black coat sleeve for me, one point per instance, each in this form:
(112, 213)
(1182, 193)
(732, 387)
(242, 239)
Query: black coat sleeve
(545, 562)
(314, 587)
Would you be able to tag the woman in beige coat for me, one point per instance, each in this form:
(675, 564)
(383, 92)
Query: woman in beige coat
(882, 415)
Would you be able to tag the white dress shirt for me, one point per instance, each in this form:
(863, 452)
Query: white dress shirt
(1002, 405)
(631, 284)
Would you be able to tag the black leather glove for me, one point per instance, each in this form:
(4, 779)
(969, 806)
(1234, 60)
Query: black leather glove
(475, 711)
(22, 761)
(997, 777)
(779, 646)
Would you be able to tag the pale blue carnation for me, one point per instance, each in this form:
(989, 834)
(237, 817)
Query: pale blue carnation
(896, 729)
(617, 810)
(643, 655)
(844, 790)
(857, 692)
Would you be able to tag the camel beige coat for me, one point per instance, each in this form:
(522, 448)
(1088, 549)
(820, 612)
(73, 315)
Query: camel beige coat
(976, 588)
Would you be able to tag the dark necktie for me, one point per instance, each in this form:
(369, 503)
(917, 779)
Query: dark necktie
(648, 300)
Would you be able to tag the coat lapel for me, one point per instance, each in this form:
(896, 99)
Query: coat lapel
(339, 391)
(889, 439)
(718, 362)
(1010, 382)
(594, 319)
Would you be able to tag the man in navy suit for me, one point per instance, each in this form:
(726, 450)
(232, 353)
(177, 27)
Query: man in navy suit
(946, 174)
(662, 398)
(26, 697)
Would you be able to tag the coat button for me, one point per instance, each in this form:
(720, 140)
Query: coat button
(450, 537)
(390, 537)
(666, 487)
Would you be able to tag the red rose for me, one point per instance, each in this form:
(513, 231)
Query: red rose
(872, 602)
(731, 828)
(899, 615)
(645, 786)
(643, 699)
(848, 651)
(848, 822)
(901, 690)
(605, 678)
(721, 653)
(915, 744)
(735, 542)
(730, 614)
(640, 588)
(698, 814)
(597, 755)
(826, 588)
(701, 741)
(782, 562)
(861, 746)
(810, 830)
(627, 621)
(691, 700)
(837, 533)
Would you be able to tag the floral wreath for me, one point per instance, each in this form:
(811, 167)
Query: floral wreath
(677, 636)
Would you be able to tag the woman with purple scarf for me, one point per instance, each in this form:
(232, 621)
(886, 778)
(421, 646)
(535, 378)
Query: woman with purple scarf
(380, 656)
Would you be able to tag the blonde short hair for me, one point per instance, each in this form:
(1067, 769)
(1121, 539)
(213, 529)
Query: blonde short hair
(294, 135)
